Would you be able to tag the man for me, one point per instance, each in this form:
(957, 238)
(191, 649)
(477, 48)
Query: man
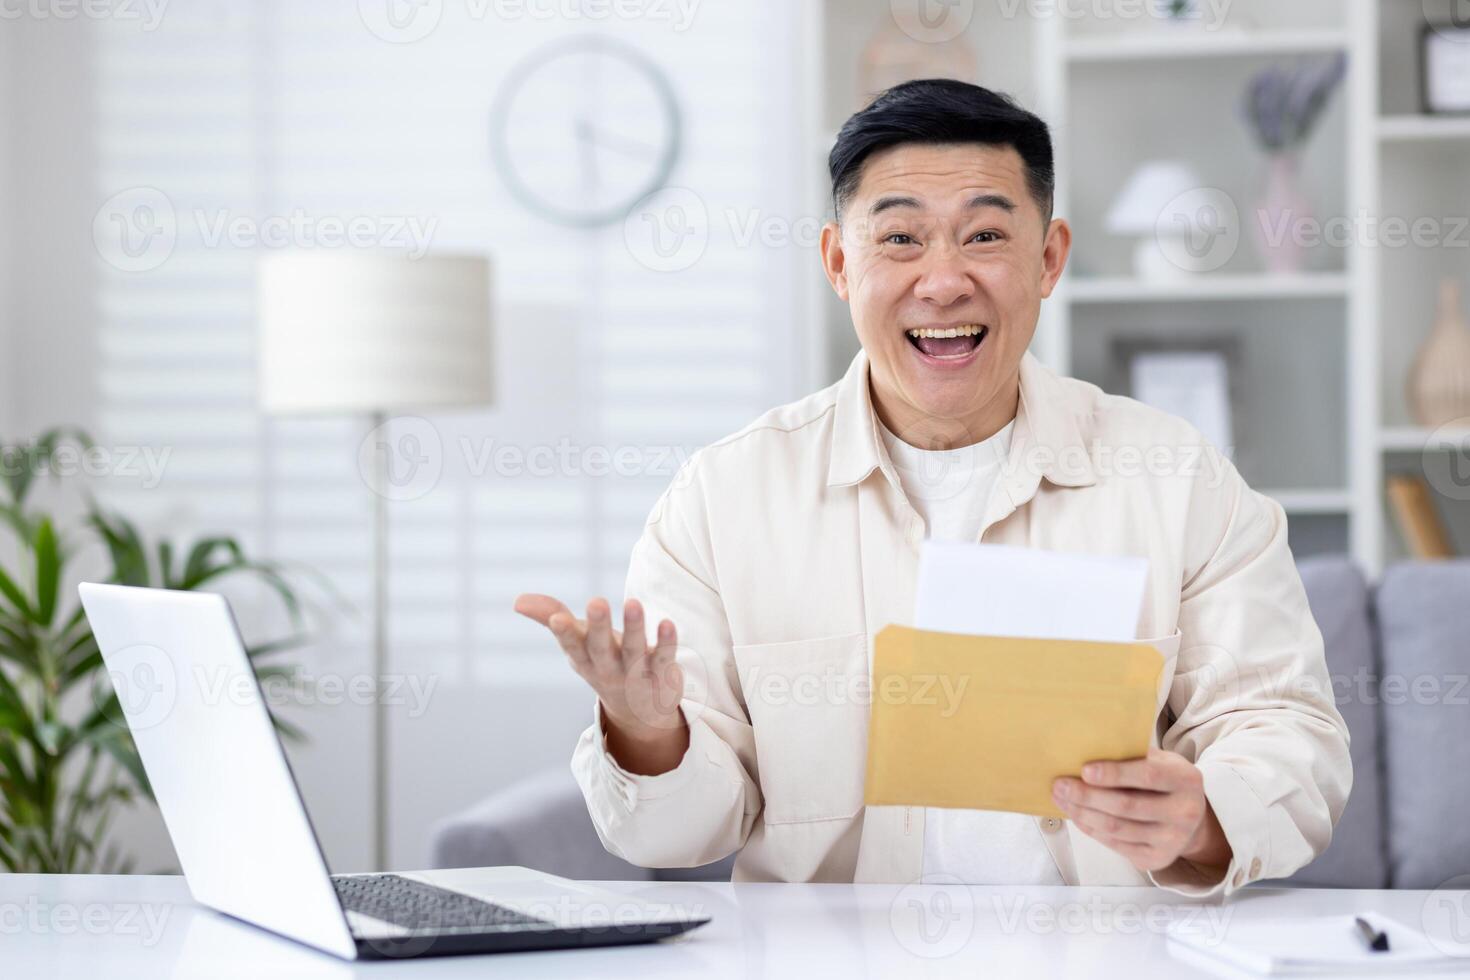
(783, 549)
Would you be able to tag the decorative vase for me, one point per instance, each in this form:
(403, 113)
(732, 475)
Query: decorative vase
(1439, 384)
(900, 51)
(1280, 216)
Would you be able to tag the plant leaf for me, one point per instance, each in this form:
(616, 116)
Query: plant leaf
(17, 598)
(275, 646)
(124, 546)
(48, 572)
(126, 754)
(166, 564)
(200, 564)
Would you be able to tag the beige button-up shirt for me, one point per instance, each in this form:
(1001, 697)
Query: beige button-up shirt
(782, 550)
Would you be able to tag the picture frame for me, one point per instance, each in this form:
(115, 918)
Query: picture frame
(1444, 69)
(1198, 379)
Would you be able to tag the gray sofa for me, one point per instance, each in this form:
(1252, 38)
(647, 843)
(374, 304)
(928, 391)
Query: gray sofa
(1399, 654)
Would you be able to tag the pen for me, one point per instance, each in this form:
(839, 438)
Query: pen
(1376, 940)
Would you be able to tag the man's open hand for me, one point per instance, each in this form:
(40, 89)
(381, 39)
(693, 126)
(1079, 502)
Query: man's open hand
(639, 685)
(1152, 810)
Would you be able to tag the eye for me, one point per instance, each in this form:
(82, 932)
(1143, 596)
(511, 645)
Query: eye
(987, 236)
(899, 238)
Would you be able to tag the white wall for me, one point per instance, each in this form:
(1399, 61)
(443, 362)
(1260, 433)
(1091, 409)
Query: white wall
(47, 272)
(80, 135)
(52, 260)
(7, 232)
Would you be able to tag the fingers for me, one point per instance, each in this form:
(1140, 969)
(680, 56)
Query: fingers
(668, 640)
(635, 640)
(1143, 854)
(664, 668)
(552, 613)
(601, 647)
(667, 645)
(539, 607)
(1111, 829)
(1161, 771)
(1146, 809)
(1144, 806)
(1109, 814)
(593, 645)
(571, 637)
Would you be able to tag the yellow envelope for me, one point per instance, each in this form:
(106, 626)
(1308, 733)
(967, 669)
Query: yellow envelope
(987, 722)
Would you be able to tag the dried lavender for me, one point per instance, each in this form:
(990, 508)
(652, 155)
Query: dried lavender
(1283, 104)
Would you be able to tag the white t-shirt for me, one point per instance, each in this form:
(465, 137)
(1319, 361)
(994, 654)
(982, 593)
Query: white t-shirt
(950, 490)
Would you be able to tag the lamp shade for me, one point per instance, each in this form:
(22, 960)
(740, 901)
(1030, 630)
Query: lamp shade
(1149, 192)
(348, 332)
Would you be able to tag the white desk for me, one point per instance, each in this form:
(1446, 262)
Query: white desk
(101, 928)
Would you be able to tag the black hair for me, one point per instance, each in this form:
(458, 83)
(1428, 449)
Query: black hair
(941, 111)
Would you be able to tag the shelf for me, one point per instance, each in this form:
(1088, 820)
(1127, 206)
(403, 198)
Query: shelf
(1414, 439)
(1187, 45)
(1312, 501)
(1409, 129)
(1208, 287)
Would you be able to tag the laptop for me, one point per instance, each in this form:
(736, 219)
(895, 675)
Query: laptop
(241, 831)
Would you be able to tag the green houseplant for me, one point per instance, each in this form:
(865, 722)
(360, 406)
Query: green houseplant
(67, 761)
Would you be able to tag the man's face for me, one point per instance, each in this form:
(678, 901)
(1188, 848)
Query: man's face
(946, 239)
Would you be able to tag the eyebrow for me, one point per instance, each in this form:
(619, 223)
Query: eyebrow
(978, 201)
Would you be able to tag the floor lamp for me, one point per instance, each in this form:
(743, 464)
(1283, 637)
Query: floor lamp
(374, 334)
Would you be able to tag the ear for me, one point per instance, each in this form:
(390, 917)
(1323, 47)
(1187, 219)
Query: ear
(1054, 252)
(834, 260)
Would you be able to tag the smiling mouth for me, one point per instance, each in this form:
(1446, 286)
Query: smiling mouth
(951, 343)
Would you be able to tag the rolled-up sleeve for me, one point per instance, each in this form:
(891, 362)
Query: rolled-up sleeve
(1251, 703)
(703, 809)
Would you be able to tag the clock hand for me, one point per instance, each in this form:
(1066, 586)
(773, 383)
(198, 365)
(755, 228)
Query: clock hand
(588, 153)
(613, 141)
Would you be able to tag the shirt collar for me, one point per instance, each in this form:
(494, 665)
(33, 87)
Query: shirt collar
(1047, 440)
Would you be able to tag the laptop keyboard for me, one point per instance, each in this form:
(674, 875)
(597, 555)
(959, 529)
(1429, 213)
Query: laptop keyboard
(424, 908)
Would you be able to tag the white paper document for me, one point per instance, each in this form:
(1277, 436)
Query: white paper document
(1193, 385)
(1302, 946)
(999, 590)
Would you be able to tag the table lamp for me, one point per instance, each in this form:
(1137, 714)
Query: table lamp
(1145, 211)
(374, 333)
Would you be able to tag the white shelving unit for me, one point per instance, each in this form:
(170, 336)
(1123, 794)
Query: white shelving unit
(1312, 501)
(1418, 163)
(1327, 350)
(1415, 439)
(1422, 129)
(1120, 95)
(1202, 289)
(1184, 43)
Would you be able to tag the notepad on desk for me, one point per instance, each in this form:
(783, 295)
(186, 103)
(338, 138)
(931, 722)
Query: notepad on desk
(1035, 650)
(1305, 946)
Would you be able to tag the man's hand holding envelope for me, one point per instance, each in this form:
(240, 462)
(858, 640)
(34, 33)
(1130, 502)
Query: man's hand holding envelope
(1054, 716)
(1151, 810)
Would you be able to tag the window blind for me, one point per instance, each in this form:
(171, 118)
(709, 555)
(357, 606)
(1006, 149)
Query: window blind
(243, 119)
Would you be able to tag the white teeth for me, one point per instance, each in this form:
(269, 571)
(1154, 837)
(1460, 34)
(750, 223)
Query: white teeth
(968, 330)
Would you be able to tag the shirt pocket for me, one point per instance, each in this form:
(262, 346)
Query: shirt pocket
(808, 702)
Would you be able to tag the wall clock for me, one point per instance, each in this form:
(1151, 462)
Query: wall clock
(584, 129)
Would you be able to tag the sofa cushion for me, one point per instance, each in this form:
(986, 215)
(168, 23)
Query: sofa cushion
(542, 822)
(539, 822)
(1339, 598)
(1423, 611)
